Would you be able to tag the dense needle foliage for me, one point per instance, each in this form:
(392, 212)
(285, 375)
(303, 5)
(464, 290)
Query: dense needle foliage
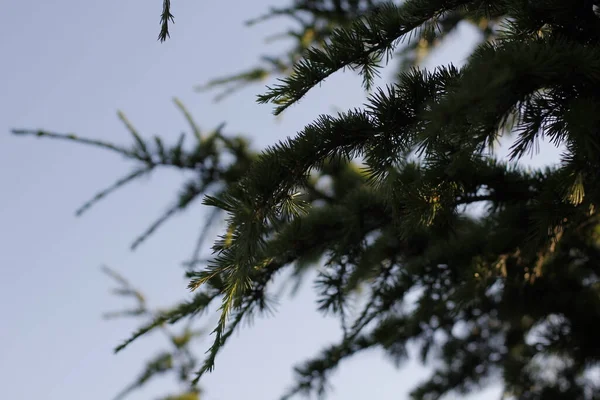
(511, 293)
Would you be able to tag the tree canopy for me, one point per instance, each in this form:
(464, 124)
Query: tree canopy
(510, 293)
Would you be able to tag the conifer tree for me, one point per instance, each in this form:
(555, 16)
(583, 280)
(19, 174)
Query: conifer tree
(511, 293)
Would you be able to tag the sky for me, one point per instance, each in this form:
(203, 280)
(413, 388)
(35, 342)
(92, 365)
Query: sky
(68, 66)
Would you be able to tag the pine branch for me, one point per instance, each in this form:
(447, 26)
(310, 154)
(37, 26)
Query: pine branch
(221, 336)
(191, 192)
(118, 184)
(313, 374)
(74, 138)
(199, 303)
(140, 145)
(260, 196)
(193, 125)
(165, 18)
(253, 299)
(236, 82)
(514, 71)
(358, 46)
(161, 364)
(210, 220)
(180, 359)
(204, 160)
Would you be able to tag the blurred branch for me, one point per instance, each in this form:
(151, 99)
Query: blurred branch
(180, 359)
(208, 160)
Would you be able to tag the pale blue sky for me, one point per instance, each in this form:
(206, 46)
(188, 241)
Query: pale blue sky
(68, 66)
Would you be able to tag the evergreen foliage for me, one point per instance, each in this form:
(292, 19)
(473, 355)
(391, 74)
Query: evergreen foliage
(316, 21)
(165, 18)
(180, 360)
(511, 293)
